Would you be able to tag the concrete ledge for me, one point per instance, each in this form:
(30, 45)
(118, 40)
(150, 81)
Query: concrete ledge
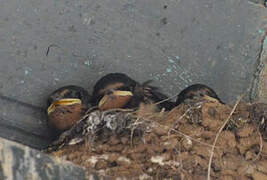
(21, 162)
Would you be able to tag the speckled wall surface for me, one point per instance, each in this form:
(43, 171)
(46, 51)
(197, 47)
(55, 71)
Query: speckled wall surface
(174, 42)
(21, 162)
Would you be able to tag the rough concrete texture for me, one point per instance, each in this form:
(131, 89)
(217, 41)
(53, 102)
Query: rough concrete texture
(175, 43)
(263, 76)
(19, 162)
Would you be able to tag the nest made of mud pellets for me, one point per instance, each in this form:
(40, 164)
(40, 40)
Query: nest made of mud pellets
(177, 144)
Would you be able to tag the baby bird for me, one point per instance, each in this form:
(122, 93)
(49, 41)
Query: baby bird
(113, 91)
(65, 106)
(117, 90)
(196, 91)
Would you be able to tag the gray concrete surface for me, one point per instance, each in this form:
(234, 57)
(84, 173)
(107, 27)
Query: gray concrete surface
(18, 162)
(174, 42)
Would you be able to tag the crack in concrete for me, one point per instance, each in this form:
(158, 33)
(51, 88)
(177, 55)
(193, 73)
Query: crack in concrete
(254, 89)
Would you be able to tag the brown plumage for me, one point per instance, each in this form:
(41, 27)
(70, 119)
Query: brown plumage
(65, 106)
(112, 91)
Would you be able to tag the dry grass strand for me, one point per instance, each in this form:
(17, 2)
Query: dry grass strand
(217, 135)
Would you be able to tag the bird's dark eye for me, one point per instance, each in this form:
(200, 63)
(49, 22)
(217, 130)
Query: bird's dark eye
(124, 88)
(49, 101)
(109, 91)
(78, 95)
(96, 99)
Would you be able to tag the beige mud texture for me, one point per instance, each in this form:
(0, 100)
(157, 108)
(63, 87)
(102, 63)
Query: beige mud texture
(179, 145)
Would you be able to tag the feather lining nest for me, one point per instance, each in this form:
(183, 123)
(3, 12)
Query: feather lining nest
(101, 124)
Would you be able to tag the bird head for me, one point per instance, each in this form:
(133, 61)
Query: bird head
(113, 91)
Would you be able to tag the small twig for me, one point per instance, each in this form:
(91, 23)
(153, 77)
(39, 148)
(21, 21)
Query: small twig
(132, 130)
(167, 99)
(185, 113)
(176, 131)
(171, 129)
(261, 146)
(118, 109)
(200, 142)
(95, 108)
(181, 117)
(91, 109)
(217, 135)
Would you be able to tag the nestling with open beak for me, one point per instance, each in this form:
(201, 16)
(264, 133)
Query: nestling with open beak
(66, 106)
(112, 91)
(117, 90)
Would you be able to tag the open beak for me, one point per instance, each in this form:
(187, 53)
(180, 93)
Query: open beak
(62, 102)
(120, 95)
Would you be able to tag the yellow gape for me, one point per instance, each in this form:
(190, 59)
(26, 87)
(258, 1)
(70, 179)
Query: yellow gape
(115, 93)
(63, 102)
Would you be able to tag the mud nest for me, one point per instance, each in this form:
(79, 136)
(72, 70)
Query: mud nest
(178, 144)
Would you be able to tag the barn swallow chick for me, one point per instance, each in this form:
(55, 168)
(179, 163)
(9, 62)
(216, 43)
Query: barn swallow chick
(114, 90)
(117, 90)
(196, 91)
(66, 106)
